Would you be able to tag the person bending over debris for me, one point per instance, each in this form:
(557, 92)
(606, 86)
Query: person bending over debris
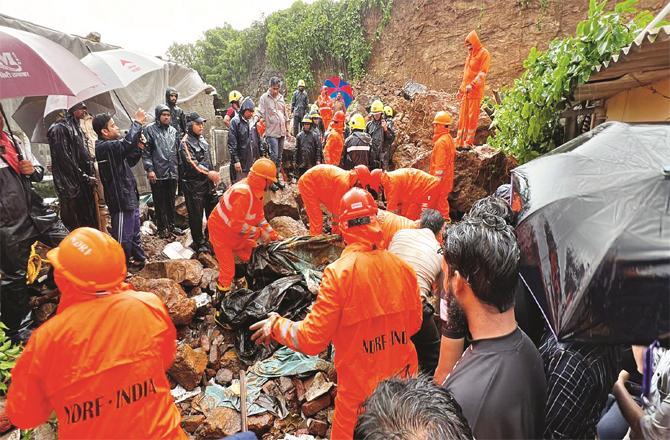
(239, 221)
(332, 151)
(368, 305)
(115, 157)
(327, 184)
(442, 160)
(407, 190)
(411, 409)
(100, 362)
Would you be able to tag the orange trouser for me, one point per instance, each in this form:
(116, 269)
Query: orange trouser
(227, 244)
(468, 118)
(314, 213)
(440, 200)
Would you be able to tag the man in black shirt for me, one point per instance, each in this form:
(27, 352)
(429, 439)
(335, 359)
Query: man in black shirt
(499, 381)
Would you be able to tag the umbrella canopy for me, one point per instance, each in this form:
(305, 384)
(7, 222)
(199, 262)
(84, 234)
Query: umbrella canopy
(335, 84)
(36, 114)
(594, 233)
(119, 67)
(31, 65)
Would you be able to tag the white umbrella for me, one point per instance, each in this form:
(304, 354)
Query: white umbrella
(117, 68)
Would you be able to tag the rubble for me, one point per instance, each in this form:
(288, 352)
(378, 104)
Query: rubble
(318, 387)
(288, 227)
(283, 203)
(318, 428)
(411, 88)
(188, 366)
(261, 423)
(208, 260)
(177, 251)
(220, 422)
(186, 272)
(311, 408)
(192, 422)
(180, 307)
(224, 376)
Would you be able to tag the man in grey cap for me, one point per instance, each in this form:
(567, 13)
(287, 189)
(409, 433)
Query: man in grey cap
(198, 178)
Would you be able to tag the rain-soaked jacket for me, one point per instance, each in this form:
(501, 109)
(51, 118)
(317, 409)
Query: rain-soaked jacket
(308, 149)
(71, 163)
(332, 151)
(391, 223)
(115, 159)
(196, 163)
(324, 184)
(239, 138)
(177, 117)
(442, 162)
(408, 190)
(299, 104)
(160, 150)
(381, 141)
(358, 150)
(476, 68)
(100, 365)
(368, 306)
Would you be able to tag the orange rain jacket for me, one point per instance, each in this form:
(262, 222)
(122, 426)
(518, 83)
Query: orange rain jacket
(325, 109)
(324, 184)
(391, 223)
(474, 74)
(368, 306)
(442, 161)
(235, 226)
(100, 364)
(332, 151)
(408, 190)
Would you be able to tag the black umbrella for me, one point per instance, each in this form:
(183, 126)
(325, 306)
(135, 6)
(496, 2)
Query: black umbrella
(594, 232)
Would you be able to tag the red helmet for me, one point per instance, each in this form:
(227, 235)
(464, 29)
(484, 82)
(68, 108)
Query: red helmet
(362, 174)
(356, 205)
(376, 179)
(338, 116)
(89, 259)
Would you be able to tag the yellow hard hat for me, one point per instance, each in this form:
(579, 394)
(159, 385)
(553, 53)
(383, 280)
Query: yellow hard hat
(377, 106)
(301, 83)
(442, 118)
(307, 120)
(357, 122)
(388, 111)
(234, 96)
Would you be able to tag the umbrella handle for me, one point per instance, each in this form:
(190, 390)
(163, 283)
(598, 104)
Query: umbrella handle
(11, 134)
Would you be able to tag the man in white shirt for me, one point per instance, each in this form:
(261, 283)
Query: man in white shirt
(419, 248)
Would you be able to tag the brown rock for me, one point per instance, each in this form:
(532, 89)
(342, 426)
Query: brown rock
(299, 389)
(5, 424)
(283, 203)
(186, 272)
(285, 384)
(188, 366)
(313, 407)
(214, 356)
(191, 423)
(210, 373)
(208, 281)
(261, 423)
(220, 422)
(319, 386)
(317, 427)
(180, 307)
(208, 260)
(224, 376)
(287, 227)
(231, 361)
(45, 311)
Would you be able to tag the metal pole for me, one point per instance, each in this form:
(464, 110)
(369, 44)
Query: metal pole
(243, 400)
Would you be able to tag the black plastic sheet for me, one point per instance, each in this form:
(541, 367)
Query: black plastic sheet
(594, 233)
(287, 296)
(296, 255)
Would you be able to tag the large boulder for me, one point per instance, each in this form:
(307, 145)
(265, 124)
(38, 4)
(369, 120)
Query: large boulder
(411, 88)
(283, 203)
(183, 271)
(220, 422)
(288, 227)
(188, 366)
(180, 307)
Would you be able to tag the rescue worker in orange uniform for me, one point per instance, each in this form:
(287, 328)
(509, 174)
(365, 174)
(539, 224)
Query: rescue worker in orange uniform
(100, 362)
(238, 221)
(471, 92)
(332, 151)
(408, 190)
(392, 223)
(442, 161)
(327, 184)
(368, 306)
(325, 105)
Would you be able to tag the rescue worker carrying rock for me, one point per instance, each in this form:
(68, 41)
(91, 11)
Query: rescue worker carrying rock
(100, 362)
(307, 148)
(407, 190)
(299, 106)
(234, 97)
(238, 221)
(199, 179)
(382, 135)
(368, 306)
(327, 184)
(325, 105)
(332, 151)
(239, 142)
(471, 92)
(442, 161)
(177, 116)
(358, 148)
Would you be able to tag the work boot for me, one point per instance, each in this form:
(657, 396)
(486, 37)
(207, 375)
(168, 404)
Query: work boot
(176, 231)
(274, 187)
(280, 184)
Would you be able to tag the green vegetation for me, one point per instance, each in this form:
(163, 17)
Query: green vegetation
(293, 40)
(527, 120)
(8, 355)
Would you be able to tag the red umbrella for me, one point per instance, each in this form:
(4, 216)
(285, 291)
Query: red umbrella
(336, 85)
